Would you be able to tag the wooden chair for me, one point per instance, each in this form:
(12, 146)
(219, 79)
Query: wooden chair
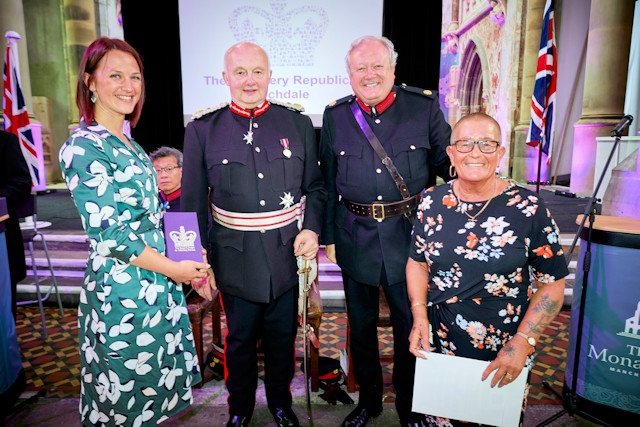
(384, 320)
(198, 309)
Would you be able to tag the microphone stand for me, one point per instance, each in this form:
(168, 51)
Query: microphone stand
(570, 399)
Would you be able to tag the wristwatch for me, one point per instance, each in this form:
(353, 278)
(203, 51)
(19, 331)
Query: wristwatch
(530, 340)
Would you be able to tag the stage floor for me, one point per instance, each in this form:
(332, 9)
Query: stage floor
(52, 367)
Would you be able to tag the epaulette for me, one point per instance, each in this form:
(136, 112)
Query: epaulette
(201, 113)
(348, 98)
(426, 92)
(295, 107)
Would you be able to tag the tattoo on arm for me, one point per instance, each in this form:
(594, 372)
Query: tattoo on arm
(547, 309)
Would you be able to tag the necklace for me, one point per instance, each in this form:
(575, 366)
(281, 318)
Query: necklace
(472, 218)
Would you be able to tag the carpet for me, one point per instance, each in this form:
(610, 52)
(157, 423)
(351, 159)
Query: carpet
(53, 364)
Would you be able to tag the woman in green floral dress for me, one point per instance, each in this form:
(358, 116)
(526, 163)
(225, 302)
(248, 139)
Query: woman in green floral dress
(137, 353)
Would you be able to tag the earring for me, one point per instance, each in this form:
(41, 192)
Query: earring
(452, 172)
(93, 98)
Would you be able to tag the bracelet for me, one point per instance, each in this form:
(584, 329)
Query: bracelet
(415, 304)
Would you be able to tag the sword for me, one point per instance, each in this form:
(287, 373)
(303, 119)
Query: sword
(305, 329)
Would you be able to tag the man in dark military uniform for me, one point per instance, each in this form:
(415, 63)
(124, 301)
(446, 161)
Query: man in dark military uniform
(253, 166)
(367, 224)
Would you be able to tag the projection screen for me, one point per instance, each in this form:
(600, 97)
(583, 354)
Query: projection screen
(306, 41)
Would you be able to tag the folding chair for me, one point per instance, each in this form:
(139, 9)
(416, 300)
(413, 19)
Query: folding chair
(27, 211)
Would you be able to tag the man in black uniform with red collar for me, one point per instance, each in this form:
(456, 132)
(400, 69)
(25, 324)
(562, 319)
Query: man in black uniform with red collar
(367, 223)
(253, 166)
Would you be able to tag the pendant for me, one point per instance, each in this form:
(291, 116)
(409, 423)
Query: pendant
(249, 135)
(287, 153)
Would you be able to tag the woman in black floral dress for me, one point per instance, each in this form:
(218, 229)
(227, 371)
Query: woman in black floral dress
(479, 244)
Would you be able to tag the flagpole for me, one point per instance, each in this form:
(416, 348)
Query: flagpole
(539, 167)
(16, 115)
(543, 99)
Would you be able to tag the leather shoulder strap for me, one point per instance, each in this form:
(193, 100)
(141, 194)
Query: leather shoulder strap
(375, 143)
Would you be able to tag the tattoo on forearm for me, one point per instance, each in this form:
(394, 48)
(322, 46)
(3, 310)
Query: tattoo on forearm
(547, 309)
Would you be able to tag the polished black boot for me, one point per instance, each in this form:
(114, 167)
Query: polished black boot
(238, 421)
(359, 417)
(285, 417)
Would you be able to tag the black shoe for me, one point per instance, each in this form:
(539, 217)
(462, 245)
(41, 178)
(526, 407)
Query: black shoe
(285, 417)
(415, 421)
(238, 421)
(359, 417)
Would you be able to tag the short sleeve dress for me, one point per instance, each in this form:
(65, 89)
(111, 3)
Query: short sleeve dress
(481, 272)
(137, 354)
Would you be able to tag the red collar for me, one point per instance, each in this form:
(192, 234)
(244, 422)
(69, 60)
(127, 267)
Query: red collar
(245, 112)
(172, 196)
(381, 107)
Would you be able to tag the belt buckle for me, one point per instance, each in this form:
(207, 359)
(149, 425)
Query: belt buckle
(375, 208)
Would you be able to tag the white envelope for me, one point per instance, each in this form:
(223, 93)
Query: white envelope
(450, 386)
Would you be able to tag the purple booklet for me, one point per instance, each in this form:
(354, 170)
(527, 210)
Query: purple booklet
(182, 236)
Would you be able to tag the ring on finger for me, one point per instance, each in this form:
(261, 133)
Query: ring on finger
(509, 376)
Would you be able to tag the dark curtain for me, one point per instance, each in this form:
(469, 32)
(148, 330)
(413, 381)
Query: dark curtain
(414, 28)
(154, 31)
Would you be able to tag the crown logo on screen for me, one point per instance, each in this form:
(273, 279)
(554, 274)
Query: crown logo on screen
(290, 38)
(183, 240)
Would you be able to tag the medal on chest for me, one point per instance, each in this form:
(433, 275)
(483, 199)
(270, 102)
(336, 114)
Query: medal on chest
(249, 135)
(284, 142)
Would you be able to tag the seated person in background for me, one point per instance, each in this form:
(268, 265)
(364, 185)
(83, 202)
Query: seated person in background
(167, 162)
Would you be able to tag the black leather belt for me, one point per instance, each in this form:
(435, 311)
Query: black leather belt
(380, 211)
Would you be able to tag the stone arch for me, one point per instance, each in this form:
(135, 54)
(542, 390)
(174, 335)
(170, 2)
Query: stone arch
(474, 85)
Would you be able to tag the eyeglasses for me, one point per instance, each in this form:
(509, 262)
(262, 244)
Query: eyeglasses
(486, 146)
(167, 169)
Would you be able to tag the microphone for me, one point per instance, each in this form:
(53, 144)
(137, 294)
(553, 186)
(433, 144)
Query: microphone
(622, 125)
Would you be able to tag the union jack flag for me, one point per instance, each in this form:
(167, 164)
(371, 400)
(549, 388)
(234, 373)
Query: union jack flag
(14, 109)
(544, 90)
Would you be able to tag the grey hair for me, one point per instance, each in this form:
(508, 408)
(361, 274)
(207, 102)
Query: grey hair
(165, 151)
(393, 55)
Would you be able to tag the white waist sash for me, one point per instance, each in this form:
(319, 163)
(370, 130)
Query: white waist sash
(257, 221)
